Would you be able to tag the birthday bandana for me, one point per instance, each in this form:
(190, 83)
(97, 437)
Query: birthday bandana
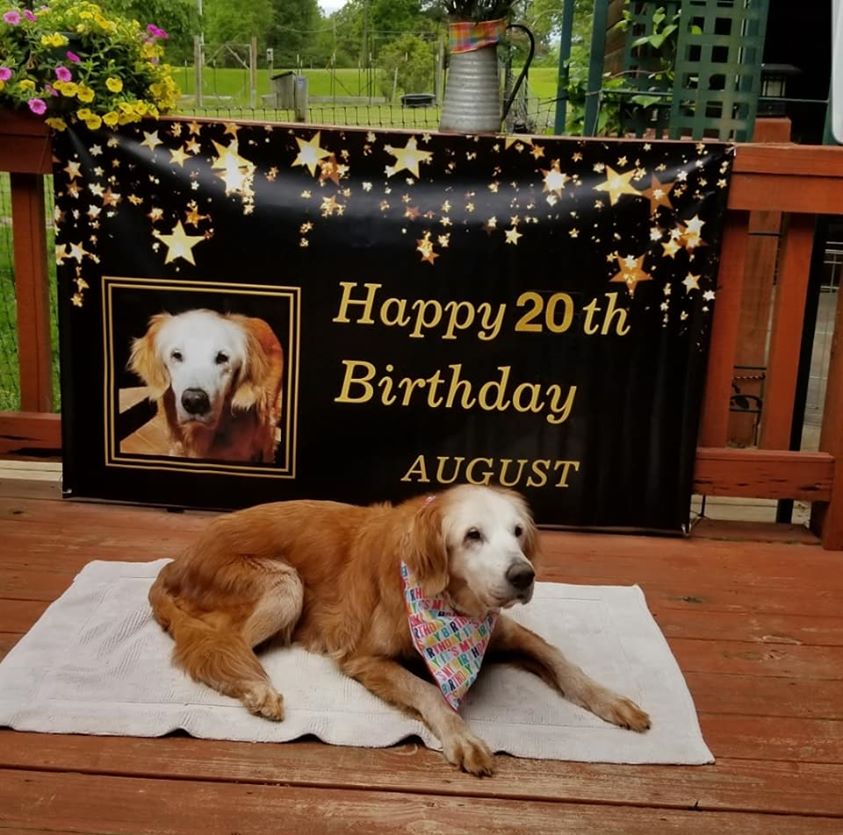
(452, 645)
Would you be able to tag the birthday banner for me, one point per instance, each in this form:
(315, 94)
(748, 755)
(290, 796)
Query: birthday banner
(258, 312)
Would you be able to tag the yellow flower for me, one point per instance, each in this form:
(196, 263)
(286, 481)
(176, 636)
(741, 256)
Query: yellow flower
(86, 15)
(68, 88)
(56, 39)
(111, 118)
(94, 122)
(55, 123)
(85, 94)
(114, 84)
(2, 84)
(84, 113)
(26, 84)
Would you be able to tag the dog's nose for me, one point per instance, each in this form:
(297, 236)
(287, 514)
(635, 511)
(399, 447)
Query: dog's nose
(520, 575)
(195, 401)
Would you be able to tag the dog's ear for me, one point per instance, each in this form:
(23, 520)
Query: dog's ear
(427, 555)
(262, 365)
(145, 361)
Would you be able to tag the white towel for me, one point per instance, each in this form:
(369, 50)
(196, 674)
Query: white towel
(97, 663)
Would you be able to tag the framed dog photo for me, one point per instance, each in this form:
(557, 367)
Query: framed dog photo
(200, 377)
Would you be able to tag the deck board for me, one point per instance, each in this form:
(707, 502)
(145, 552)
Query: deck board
(757, 627)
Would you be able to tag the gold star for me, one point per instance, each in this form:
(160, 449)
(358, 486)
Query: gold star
(658, 194)
(537, 151)
(193, 146)
(176, 129)
(512, 236)
(110, 198)
(695, 225)
(691, 282)
(329, 206)
(192, 216)
(425, 247)
(310, 153)
(330, 170)
(72, 169)
(194, 127)
(617, 184)
(155, 214)
(670, 248)
(631, 272)
(61, 253)
(76, 298)
(133, 199)
(179, 244)
(509, 140)
(554, 179)
(407, 158)
(178, 156)
(78, 252)
(235, 171)
(231, 129)
(151, 140)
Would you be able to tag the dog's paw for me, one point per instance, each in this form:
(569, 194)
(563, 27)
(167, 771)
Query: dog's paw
(471, 754)
(620, 711)
(265, 701)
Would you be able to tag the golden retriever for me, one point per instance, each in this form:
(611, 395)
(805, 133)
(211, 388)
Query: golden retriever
(217, 381)
(327, 576)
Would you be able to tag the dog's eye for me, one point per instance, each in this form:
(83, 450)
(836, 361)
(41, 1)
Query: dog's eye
(518, 531)
(473, 535)
(177, 356)
(221, 358)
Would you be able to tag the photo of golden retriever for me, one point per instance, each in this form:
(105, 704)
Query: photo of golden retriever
(327, 576)
(216, 379)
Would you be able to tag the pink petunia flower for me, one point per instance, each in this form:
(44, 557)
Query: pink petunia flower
(156, 31)
(72, 56)
(63, 73)
(29, 15)
(51, 90)
(12, 17)
(37, 106)
(5, 73)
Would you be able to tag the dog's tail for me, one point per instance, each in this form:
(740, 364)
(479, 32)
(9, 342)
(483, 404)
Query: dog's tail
(213, 653)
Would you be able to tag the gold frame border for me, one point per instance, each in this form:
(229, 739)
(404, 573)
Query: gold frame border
(113, 459)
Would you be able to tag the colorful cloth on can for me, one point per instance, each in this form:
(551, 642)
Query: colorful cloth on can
(452, 645)
(468, 35)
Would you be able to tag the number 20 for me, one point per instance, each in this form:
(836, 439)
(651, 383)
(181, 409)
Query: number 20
(535, 302)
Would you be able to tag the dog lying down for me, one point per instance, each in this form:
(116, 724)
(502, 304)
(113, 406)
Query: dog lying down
(340, 580)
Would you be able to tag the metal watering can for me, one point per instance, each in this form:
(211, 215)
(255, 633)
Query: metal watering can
(472, 102)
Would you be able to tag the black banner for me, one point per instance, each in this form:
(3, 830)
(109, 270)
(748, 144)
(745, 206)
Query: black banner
(260, 312)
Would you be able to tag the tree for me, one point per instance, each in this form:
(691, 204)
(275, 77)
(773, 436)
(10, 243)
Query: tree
(236, 21)
(411, 60)
(292, 31)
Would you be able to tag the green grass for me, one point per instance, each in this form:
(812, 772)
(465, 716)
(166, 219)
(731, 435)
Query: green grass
(9, 373)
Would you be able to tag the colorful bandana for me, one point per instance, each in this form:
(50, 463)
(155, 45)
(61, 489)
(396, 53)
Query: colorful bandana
(451, 644)
(467, 36)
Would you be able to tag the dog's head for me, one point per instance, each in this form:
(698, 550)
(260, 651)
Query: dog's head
(206, 359)
(479, 544)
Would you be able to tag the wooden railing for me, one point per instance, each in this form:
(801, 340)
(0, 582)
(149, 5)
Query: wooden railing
(799, 181)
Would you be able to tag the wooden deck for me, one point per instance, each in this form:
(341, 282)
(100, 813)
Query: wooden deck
(757, 627)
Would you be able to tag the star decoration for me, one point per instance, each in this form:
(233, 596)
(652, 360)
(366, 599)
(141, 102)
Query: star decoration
(407, 158)
(110, 198)
(709, 295)
(512, 236)
(670, 248)
(151, 140)
(658, 194)
(631, 272)
(617, 184)
(691, 282)
(537, 151)
(425, 246)
(235, 171)
(72, 169)
(554, 179)
(194, 127)
(192, 146)
(179, 244)
(516, 139)
(78, 252)
(178, 156)
(61, 253)
(310, 153)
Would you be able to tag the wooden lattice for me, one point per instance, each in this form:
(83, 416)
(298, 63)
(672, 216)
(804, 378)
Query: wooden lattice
(718, 68)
